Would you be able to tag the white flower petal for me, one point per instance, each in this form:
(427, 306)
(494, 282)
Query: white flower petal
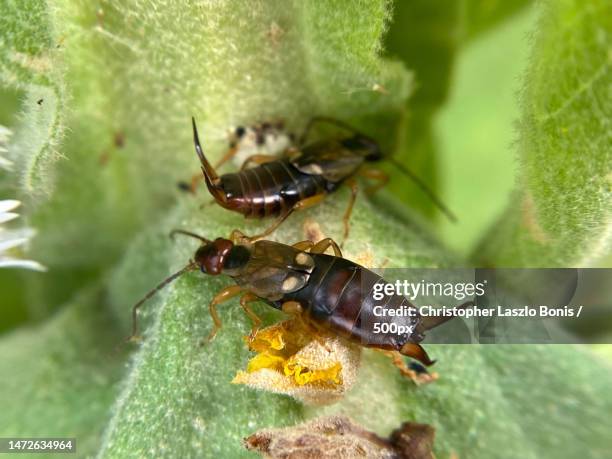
(14, 238)
(5, 163)
(12, 243)
(18, 233)
(25, 264)
(7, 217)
(7, 205)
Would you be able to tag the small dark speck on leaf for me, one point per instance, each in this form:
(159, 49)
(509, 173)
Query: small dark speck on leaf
(184, 186)
(119, 139)
(103, 158)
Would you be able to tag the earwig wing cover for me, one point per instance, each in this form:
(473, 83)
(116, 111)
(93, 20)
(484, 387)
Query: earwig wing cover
(329, 160)
(276, 269)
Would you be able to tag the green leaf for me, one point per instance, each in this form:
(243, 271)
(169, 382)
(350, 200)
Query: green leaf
(34, 148)
(26, 41)
(59, 378)
(560, 213)
(475, 130)
(28, 54)
(13, 294)
(9, 105)
(481, 16)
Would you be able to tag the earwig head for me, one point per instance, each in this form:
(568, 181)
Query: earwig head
(363, 146)
(211, 256)
(221, 255)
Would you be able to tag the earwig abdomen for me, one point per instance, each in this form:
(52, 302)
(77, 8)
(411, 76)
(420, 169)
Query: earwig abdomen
(339, 294)
(270, 189)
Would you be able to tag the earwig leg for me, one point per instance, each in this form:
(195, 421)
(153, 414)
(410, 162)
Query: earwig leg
(300, 205)
(194, 182)
(308, 202)
(417, 378)
(319, 247)
(324, 244)
(349, 210)
(249, 298)
(293, 308)
(257, 159)
(224, 295)
(303, 245)
(374, 174)
(324, 119)
(238, 237)
(229, 154)
(272, 228)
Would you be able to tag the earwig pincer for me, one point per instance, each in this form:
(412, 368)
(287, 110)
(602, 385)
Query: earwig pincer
(301, 177)
(328, 291)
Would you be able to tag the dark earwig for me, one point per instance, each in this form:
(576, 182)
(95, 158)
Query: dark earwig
(301, 178)
(329, 290)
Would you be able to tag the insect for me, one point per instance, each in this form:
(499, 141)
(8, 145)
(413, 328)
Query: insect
(327, 290)
(300, 178)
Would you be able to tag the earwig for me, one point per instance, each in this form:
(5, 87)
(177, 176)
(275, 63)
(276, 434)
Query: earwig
(301, 178)
(328, 290)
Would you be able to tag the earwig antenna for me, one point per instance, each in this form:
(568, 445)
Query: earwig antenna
(174, 232)
(207, 169)
(424, 188)
(134, 336)
(332, 122)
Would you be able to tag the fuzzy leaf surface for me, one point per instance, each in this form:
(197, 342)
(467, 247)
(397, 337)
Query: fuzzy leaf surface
(560, 213)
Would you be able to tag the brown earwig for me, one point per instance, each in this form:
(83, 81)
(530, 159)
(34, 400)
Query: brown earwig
(300, 178)
(328, 290)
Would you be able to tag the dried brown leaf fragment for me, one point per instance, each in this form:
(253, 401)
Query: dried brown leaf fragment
(339, 437)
